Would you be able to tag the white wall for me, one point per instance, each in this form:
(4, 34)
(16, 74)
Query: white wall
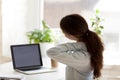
(19, 16)
(0, 31)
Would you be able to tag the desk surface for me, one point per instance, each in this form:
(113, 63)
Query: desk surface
(7, 69)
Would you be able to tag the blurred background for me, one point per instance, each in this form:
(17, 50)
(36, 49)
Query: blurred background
(20, 16)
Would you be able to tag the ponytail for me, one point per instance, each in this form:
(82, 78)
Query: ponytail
(95, 48)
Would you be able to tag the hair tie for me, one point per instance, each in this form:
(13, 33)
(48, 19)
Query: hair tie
(87, 33)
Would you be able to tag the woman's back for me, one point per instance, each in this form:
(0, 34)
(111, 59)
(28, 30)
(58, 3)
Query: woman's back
(77, 59)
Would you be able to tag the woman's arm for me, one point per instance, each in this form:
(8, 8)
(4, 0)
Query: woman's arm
(66, 54)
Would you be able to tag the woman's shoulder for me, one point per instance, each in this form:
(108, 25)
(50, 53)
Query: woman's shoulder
(79, 44)
(75, 45)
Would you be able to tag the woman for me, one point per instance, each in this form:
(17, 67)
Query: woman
(84, 58)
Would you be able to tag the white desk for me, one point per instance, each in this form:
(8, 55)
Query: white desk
(7, 69)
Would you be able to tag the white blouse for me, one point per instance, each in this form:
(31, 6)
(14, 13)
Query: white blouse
(76, 58)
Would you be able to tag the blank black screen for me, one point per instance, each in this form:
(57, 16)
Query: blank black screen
(26, 55)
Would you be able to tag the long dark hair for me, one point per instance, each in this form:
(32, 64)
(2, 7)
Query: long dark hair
(77, 26)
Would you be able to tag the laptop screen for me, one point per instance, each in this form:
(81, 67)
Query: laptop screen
(26, 55)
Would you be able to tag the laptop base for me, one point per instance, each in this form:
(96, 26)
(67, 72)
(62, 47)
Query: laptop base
(37, 71)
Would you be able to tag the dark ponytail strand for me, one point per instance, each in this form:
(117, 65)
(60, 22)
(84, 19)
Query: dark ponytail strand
(95, 48)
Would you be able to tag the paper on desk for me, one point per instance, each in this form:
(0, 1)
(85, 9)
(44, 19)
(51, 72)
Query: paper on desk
(11, 77)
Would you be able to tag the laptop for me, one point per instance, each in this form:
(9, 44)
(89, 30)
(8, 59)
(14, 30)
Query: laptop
(27, 59)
